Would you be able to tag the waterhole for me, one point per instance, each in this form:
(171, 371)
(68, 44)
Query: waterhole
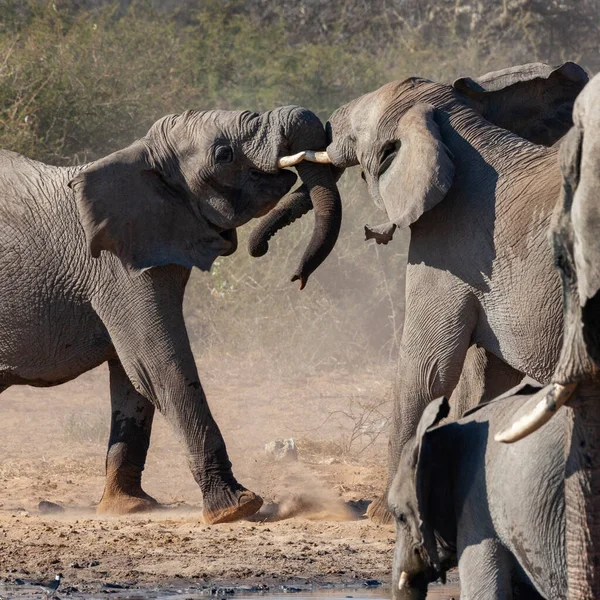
(28, 590)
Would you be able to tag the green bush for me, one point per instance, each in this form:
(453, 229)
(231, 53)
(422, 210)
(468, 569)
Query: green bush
(80, 79)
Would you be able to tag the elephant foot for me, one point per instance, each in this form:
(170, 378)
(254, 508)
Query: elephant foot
(229, 507)
(120, 503)
(378, 511)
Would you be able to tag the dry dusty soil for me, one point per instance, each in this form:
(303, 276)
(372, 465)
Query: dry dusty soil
(52, 444)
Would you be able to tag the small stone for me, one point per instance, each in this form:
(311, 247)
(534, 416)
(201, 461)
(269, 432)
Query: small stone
(49, 508)
(282, 450)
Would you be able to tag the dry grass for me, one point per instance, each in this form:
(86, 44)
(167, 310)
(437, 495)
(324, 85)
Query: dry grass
(86, 427)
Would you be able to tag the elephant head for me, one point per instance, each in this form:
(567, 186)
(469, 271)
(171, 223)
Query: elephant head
(177, 195)
(425, 530)
(394, 134)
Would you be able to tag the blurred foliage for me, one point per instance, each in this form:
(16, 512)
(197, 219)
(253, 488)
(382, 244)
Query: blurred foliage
(82, 78)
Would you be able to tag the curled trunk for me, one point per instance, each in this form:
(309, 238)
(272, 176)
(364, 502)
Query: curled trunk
(318, 191)
(320, 182)
(297, 204)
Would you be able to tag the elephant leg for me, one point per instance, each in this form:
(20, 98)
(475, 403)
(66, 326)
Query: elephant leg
(144, 318)
(131, 424)
(484, 376)
(432, 355)
(485, 572)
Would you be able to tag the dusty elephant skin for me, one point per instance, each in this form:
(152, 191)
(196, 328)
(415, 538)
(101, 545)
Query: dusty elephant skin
(170, 201)
(497, 511)
(444, 160)
(576, 381)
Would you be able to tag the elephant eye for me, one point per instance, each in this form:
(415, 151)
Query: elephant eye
(224, 154)
(401, 517)
(362, 176)
(388, 154)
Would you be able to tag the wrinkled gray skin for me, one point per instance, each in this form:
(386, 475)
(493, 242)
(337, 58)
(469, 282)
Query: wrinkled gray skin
(441, 159)
(170, 201)
(497, 511)
(576, 241)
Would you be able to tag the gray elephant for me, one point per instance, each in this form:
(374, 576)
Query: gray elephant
(444, 160)
(170, 201)
(576, 380)
(497, 511)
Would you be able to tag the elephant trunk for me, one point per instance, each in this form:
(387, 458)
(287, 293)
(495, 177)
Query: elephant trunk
(297, 204)
(318, 191)
(325, 198)
(411, 584)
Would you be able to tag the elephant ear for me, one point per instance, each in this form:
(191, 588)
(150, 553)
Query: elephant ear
(126, 208)
(420, 174)
(535, 101)
(425, 472)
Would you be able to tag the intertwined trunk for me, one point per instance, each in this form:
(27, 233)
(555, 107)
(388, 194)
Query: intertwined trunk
(582, 493)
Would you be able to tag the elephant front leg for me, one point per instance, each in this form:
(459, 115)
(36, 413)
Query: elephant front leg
(148, 332)
(171, 381)
(432, 355)
(485, 571)
(184, 404)
(130, 428)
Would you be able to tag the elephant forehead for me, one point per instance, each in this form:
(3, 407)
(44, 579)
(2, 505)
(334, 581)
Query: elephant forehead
(194, 127)
(374, 116)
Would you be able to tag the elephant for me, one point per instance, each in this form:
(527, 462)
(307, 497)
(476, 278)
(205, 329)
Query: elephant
(94, 262)
(496, 511)
(576, 379)
(472, 169)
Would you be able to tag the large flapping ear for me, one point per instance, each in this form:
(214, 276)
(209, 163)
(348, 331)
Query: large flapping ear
(433, 414)
(535, 100)
(126, 208)
(419, 175)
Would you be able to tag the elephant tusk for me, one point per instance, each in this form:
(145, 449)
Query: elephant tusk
(403, 581)
(309, 155)
(318, 157)
(290, 161)
(543, 411)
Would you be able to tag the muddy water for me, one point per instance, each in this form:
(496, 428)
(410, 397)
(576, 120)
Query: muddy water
(30, 592)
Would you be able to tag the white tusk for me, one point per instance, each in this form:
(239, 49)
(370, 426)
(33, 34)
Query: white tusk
(318, 157)
(291, 161)
(403, 581)
(551, 400)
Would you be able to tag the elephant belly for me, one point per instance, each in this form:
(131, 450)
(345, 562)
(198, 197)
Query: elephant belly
(524, 327)
(51, 346)
(49, 332)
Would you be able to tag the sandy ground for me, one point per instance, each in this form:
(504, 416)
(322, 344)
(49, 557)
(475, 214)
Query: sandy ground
(52, 444)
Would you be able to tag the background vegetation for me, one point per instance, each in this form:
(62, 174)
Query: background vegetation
(80, 79)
